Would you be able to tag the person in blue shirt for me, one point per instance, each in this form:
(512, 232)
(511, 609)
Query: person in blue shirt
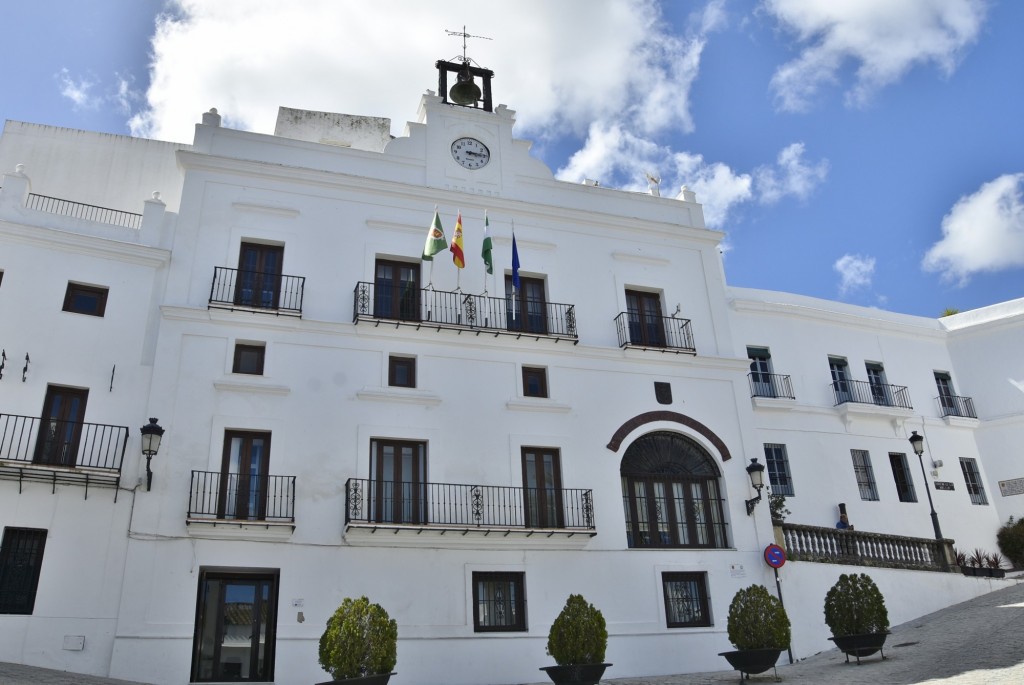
(843, 523)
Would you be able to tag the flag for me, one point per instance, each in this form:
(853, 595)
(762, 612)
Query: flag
(515, 263)
(457, 255)
(435, 239)
(485, 251)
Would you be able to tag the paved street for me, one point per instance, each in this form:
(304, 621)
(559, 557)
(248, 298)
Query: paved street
(980, 642)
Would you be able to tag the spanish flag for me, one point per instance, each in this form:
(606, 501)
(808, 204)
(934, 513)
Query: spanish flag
(457, 255)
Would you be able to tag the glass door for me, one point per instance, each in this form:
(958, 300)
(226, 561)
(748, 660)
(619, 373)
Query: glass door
(60, 426)
(235, 625)
(243, 478)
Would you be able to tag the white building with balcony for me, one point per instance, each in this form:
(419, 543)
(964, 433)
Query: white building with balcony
(344, 418)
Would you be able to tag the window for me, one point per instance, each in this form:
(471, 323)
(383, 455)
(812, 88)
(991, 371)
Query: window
(535, 381)
(840, 379)
(402, 372)
(865, 476)
(542, 487)
(645, 320)
(973, 480)
(949, 403)
(881, 393)
(761, 372)
(686, 600)
(21, 559)
(85, 299)
(236, 626)
(259, 275)
(243, 478)
(527, 309)
(398, 491)
(396, 291)
(670, 493)
(901, 474)
(778, 469)
(60, 426)
(499, 599)
(249, 359)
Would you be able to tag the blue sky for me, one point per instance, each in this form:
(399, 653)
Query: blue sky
(866, 151)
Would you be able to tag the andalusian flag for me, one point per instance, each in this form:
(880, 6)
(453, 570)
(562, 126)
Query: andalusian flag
(457, 255)
(485, 251)
(435, 239)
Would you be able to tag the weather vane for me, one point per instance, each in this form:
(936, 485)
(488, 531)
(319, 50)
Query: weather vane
(464, 36)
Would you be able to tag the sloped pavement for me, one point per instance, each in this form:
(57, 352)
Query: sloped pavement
(979, 642)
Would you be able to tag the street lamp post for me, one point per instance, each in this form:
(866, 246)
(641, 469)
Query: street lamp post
(917, 441)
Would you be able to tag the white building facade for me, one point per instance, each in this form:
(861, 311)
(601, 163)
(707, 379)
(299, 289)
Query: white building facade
(343, 418)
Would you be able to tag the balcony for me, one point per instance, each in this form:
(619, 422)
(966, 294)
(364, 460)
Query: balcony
(955, 406)
(878, 394)
(665, 333)
(80, 210)
(438, 309)
(460, 510)
(770, 385)
(61, 452)
(860, 548)
(256, 291)
(241, 500)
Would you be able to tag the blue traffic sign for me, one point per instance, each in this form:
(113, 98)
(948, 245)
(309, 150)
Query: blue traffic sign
(774, 556)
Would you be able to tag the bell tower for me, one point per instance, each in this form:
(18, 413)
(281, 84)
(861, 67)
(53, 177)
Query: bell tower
(465, 92)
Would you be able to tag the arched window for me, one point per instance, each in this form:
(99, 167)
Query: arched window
(670, 493)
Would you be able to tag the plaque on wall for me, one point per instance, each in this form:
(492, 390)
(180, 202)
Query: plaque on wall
(1014, 486)
(943, 485)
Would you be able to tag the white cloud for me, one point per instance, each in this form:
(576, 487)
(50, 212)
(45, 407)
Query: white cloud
(77, 90)
(855, 272)
(982, 232)
(883, 38)
(612, 152)
(565, 64)
(790, 176)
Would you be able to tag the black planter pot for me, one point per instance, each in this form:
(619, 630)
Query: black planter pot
(576, 674)
(752, 661)
(378, 679)
(860, 645)
(970, 570)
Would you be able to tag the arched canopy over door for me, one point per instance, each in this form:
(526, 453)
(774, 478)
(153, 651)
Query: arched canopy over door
(671, 493)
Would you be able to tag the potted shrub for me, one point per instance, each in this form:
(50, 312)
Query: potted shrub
(359, 644)
(1011, 541)
(577, 640)
(759, 629)
(855, 612)
(995, 562)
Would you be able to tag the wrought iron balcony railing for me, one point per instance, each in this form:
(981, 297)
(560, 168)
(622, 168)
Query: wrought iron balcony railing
(241, 497)
(770, 385)
(863, 392)
(423, 505)
(69, 444)
(666, 333)
(257, 291)
(456, 310)
(80, 210)
(954, 405)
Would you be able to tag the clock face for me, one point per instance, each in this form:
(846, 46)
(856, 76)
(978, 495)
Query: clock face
(470, 153)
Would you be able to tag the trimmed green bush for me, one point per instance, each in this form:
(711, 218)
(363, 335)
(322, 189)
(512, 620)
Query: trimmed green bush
(757, 620)
(579, 634)
(1011, 541)
(855, 606)
(360, 640)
